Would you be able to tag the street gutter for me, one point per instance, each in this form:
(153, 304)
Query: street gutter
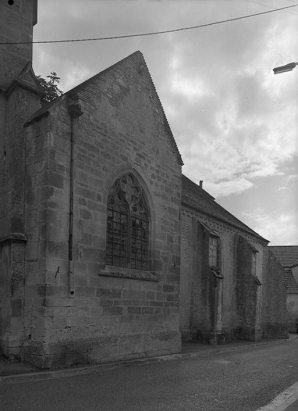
(91, 369)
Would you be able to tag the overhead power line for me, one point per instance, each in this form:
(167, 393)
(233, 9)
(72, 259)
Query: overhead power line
(266, 5)
(150, 33)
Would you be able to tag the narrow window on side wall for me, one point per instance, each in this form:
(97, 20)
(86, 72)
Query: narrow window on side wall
(254, 267)
(254, 263)
(213, 252)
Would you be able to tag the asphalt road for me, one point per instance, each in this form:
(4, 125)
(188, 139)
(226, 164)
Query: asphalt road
(236, 381)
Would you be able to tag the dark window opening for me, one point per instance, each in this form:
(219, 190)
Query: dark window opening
(127, 225)
(213, 252)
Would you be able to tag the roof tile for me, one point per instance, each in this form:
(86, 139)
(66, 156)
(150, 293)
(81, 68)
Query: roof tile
(287, 255)
(196, 197)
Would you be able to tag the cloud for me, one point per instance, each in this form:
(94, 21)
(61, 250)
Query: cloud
(76, 75)
(229, 120)
(279, 229)
(288, 181)
(245, 137)
(188, 88)
(225, 188)
(292, 177)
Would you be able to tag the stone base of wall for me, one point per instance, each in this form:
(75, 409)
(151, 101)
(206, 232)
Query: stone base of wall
(102, 350)
(217, 338)
(207, 337)
(10, 346)
(247, 333)
(293, 327)
(275, 330)
(186, 335)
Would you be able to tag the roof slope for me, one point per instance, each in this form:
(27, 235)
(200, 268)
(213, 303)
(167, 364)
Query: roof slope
(291, 284)
(287, 255)
(196, 197)
(138, 60)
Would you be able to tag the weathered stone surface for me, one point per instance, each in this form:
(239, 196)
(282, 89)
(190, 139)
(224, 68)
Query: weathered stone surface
(15, 25)
(251, 307)
(274, 310)
(107, 134)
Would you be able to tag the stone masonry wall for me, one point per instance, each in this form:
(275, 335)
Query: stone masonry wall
(3, 220)
(197, 283)
(16, 106)
(19, 106)
(122, 129)
(188, 262)
(246, 291)
(16, 23)
(292, 309)
(38, 189)
(12, 257)
(274, 310)
(292, 304)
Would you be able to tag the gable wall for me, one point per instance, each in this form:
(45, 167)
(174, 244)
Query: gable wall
(122, 129)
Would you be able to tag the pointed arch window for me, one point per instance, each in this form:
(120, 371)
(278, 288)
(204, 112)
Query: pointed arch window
(127, 224)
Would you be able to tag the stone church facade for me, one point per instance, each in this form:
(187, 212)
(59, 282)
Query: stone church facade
(107, 251)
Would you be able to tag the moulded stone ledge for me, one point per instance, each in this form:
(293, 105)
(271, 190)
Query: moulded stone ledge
(123, 272)
(14, 237)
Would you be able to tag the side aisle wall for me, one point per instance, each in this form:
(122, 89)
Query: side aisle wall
(251, 296)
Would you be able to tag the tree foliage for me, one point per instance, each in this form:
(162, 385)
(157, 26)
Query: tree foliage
(50, 87)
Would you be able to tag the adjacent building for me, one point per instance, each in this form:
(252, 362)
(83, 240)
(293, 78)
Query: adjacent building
(287, 255)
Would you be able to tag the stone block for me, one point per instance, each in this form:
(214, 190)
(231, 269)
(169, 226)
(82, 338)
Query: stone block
(16, 307)
(112, 310)
(108, 293)
(81, 291)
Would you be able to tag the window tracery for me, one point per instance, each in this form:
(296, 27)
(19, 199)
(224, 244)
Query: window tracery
(127, 224)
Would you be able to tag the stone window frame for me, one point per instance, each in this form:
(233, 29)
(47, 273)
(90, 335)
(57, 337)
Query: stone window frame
(254, 256)
(128, 272)
(128, 216)
(213, 251)
(215, 269)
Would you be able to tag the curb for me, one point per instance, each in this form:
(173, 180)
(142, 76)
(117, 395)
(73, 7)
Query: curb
(91, 369)
(283, 400)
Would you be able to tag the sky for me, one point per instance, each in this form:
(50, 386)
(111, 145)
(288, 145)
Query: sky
(234, 121)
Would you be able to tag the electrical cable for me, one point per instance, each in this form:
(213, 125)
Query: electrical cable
(150, 33)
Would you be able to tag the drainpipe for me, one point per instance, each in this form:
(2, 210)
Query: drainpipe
(74, 110)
